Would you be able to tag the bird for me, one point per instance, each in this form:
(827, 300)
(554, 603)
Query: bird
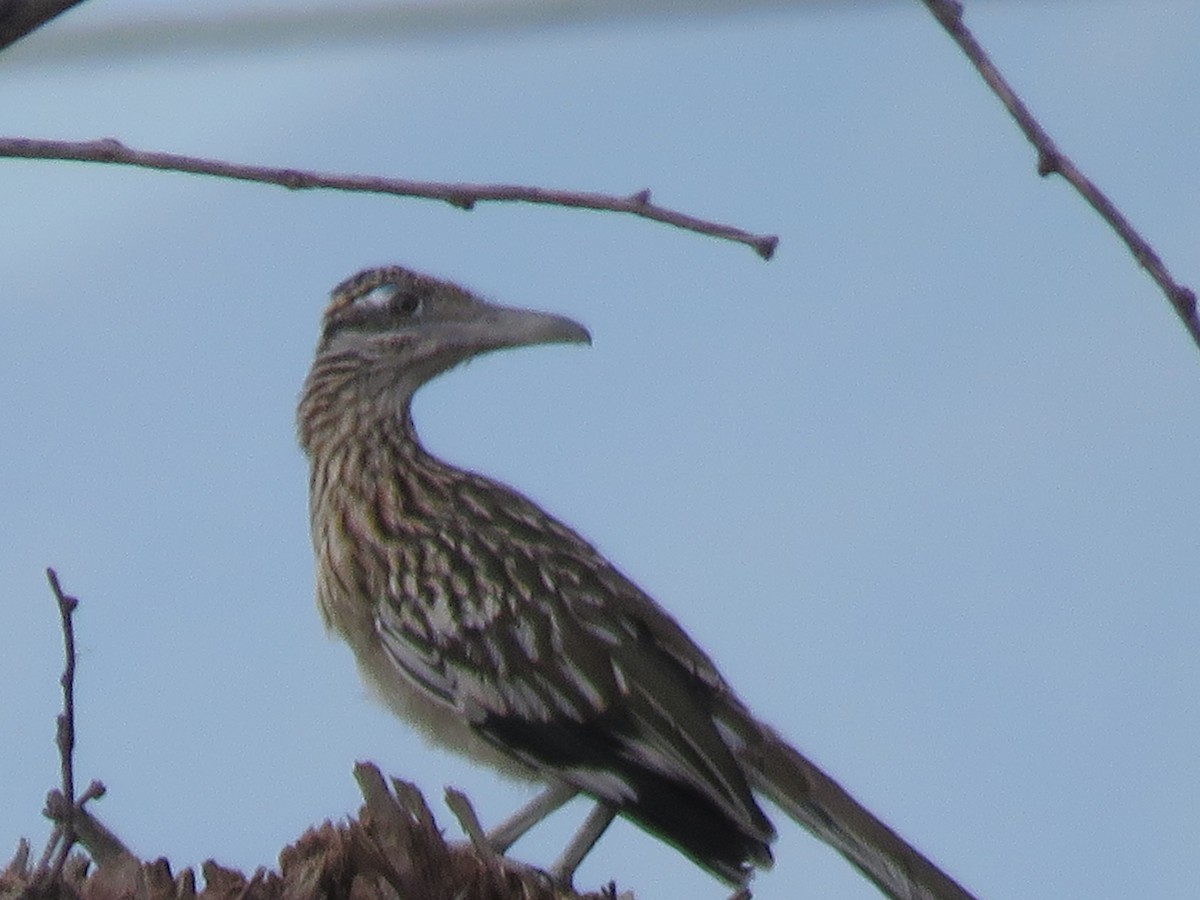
(504, 635)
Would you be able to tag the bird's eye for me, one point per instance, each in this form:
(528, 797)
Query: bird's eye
(408, 304)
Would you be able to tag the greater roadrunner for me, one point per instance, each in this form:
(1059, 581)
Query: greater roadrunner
(504, 635)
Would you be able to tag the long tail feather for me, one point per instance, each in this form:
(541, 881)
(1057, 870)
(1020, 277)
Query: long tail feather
(817, 802)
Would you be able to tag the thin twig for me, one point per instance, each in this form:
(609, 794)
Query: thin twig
(55, 836)
(1052, 161)
(463, 196)
(66, 719)
(465, 813)
(72, 822)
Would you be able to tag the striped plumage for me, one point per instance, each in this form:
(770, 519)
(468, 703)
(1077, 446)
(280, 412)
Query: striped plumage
(504, 635)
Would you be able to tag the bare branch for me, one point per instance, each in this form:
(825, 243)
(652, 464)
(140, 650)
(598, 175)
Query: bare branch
(464, 196)
(1052, 161)
(19, 17)
(66, 721)
(72, 822)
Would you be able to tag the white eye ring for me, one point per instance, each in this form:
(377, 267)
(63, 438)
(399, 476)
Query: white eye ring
(378, 296)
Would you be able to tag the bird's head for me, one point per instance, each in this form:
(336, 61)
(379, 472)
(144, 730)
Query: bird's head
(403, 328)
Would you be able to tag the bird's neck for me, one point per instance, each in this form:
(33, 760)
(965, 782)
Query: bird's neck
(348, 422)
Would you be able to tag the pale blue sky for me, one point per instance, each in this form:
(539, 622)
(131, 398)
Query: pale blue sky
(924, 485)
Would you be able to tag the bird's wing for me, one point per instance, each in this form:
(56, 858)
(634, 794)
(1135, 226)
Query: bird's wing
(527, 643)
(549, 659)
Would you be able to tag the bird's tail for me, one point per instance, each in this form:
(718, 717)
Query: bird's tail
(813, 799)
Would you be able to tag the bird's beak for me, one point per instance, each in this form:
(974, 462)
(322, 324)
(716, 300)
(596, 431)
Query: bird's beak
(498, 327)
(446, 343)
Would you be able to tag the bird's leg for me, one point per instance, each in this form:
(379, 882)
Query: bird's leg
(583, 841)
(511, 829)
